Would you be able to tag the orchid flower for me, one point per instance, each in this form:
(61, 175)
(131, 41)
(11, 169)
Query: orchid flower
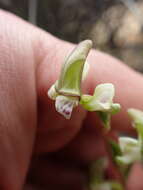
(101, 102)
(67, 90)
(131, 149)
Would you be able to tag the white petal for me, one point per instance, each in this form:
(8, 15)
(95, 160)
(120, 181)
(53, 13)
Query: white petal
(64, 105)
(52, 92)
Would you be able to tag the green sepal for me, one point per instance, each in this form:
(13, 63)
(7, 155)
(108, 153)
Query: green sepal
(115, 108)
(105, 118)
(69, 82)
(115, 149)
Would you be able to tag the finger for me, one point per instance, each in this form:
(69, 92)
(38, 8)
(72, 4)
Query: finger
(17, 100)
(30, 187)
(51, 125)
(87, 146)
(135, 178)
(20, 56)
(56, 129)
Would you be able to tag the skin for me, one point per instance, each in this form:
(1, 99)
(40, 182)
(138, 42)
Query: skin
(34, 138)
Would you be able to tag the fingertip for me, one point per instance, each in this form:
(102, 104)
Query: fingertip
(134, 180)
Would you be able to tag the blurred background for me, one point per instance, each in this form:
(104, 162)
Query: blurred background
(115, 26)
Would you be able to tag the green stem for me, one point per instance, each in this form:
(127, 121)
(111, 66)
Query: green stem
(119, 176)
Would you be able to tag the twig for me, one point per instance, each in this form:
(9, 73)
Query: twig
(32, 13)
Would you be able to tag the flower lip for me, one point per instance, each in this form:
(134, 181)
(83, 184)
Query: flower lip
(64, 105)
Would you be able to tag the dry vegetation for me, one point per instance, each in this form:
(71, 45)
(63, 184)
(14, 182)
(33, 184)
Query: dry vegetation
(109, 23)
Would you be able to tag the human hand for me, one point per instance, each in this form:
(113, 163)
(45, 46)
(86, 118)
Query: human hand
(30, 61)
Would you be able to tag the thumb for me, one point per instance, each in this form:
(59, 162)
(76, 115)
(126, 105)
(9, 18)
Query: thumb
(17, 100)
(24, 49)
(135, 177)
(30, 61)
